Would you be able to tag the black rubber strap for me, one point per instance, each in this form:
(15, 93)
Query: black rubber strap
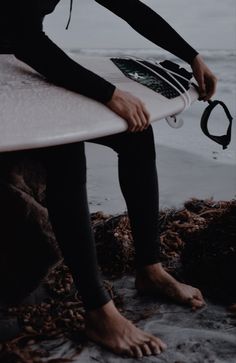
(223, 140)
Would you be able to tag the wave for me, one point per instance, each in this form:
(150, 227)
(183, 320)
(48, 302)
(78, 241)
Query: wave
(212, 55)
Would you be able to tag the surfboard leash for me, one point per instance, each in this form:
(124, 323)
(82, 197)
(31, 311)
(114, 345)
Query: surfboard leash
(223, 140)
(172, 70)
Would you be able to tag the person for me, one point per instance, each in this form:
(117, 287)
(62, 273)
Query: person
(21, 29)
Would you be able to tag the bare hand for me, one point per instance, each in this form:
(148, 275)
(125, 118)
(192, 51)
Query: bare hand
(131, 108)
(206, 79)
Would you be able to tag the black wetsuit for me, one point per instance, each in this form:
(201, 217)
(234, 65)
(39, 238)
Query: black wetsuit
(21, 34)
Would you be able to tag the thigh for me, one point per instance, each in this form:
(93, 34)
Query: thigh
(63, 162)
(65, 165)
(54, 155)
(135, 143)
(58, 155)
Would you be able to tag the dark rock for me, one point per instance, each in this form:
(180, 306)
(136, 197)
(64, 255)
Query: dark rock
(10, 328)
(27, 243)
(209, 256)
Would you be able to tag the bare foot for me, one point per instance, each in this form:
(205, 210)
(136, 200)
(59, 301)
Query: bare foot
(109, 328)
(153, 279)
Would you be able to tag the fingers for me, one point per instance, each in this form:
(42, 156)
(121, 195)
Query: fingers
(207, 86)
(131, 109)
(147, 116)
(136, 121)
(140, 119)
(201, 84)
(211, 83)
(206, 80)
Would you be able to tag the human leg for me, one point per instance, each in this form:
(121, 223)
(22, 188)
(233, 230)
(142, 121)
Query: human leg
(66, 198)
(68, 211)
(139, 184)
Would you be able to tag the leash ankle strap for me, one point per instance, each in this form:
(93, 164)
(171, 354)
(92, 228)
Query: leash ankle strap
(223, 140)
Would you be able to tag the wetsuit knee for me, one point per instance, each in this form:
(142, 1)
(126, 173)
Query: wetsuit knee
(140, 146)
(66, 164)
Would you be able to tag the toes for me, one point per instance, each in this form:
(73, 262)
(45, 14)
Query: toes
(154, 347)
(124, 350)
(145, 349)
(195, 303)
(128, 352)
(158, 343)
(198, 296)
(194, 307)
(163, 346)
(137, 351)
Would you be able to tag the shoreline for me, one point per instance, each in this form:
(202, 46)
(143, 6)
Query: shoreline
(181, 175)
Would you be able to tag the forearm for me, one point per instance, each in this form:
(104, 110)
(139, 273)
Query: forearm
(47, 58)
(152, 26)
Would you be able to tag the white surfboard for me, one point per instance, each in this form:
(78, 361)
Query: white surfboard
(34, 113)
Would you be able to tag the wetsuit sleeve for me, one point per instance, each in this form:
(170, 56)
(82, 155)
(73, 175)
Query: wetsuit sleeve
(152, 26)
(33, 47)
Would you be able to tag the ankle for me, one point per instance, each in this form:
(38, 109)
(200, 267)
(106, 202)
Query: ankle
(106, 310)
(154, 272)
(156, 268)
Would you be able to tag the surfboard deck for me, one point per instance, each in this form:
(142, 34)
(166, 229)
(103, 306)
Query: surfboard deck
(35, 113)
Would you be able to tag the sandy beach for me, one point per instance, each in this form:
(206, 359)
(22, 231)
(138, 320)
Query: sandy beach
(206, 336)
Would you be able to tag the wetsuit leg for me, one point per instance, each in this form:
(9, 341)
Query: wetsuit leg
(66, 198)
(139, 185)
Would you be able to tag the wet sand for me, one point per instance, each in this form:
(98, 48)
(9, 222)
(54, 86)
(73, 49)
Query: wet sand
(182, 175)
(204, 336)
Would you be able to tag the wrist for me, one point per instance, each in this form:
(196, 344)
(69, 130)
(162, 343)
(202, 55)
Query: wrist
(112, 96)
(198, 60)
(195, 59)
(117, 94)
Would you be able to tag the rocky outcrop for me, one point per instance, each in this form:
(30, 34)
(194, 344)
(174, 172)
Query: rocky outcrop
(27, 243)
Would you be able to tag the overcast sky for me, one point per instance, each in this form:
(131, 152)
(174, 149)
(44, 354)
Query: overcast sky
(205, 24)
